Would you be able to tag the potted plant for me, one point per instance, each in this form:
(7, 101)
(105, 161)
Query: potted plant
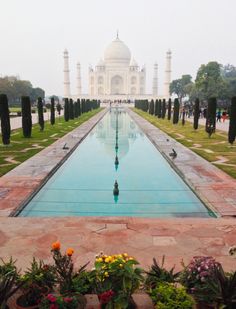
(38, 281)
(223, 286)
(117, 278)
(168, 296)
(158, 273)
(70, 282)
(194, 277)
(9, 281)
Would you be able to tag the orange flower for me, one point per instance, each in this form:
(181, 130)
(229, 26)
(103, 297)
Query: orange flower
(56, 245)
(69, 251)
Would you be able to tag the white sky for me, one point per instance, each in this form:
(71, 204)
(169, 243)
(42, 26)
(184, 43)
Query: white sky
(33, 35)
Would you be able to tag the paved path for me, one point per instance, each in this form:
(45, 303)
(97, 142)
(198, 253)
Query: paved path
(143, 238)
(224, 126)
(16, 122)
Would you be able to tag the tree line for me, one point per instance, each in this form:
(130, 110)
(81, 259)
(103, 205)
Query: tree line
(159, 108)
(14, 88)
(212, 80)
(72, 110)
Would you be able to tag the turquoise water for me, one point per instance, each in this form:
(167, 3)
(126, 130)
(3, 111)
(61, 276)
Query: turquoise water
(83, 185)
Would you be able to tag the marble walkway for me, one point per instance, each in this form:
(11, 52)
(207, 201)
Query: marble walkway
(144, 238)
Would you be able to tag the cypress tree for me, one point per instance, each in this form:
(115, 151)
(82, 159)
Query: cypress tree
(5, 120)
(79, 107)
(183, 117)
(211, 116)
(26, 116)
(169, 109)
(52, 115)
(176, 111)
(159, 109)
(66, 110)
(232, 121)
(196, 114)
(163, 110)
(40, 114)
(71, 109)
(156, 107)
(151, 107)
(76, 109)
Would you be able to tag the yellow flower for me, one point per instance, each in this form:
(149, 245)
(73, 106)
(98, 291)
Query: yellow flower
(106, 274)
(121, 265)
(107, 260)
(125, 254)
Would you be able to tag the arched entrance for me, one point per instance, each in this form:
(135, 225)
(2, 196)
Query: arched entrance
(117, 85)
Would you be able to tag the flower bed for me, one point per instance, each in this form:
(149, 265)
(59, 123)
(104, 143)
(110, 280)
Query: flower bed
(114, 282)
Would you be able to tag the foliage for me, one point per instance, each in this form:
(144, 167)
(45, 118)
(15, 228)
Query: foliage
(40, 114)
(159, 107)
(26, 116)
(189, 137)
(176, 111)
(196, 114)
(118, 277)
(37, 280)
(66, 110)
(151, 107)
(9, 281)
(52, 113)
(62, 302)
(168, 296)
(211, 116)
(178, 86)
(169, 109)
(195, 276)
(15, 88)
(64, 266)
(156, 108)
(5, 119)
(23, 148)
(209, 81)
(71, 109)
(59, 108)
(163, 109)
(222, 286)
(232, 122)
(159, 274)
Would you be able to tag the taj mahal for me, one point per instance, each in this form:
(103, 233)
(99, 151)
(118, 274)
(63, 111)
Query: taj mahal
(117, 76)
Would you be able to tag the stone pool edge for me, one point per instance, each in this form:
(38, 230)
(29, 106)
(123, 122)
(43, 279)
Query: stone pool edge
(215, 188)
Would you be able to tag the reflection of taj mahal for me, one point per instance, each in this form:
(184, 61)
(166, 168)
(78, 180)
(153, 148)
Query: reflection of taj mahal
(117, 75)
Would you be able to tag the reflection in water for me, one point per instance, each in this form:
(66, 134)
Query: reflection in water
(127, 133)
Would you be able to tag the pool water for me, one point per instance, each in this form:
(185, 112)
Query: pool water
(148, 185)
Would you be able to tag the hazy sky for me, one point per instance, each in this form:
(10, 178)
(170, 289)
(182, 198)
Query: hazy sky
(33, 35)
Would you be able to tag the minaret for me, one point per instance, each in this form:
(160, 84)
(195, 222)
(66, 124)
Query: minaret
(78, 80)
(66, 75)
(167, 75)
(155, 81)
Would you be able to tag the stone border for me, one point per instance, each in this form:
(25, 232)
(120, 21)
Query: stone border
(214, 187)
(19, 185)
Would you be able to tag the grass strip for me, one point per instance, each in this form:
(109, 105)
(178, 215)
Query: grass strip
(212, 149)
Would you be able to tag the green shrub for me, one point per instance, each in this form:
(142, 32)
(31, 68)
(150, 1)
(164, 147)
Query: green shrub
(168, 296)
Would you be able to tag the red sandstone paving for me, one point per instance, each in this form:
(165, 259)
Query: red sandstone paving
(177, 239)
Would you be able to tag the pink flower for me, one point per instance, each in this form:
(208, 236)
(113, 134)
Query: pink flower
(53, 306)
(67, 299)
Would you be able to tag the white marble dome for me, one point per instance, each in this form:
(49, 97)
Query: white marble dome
(117, 52)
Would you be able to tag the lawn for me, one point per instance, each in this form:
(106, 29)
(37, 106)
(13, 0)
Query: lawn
(212, 149)
(22, 148)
